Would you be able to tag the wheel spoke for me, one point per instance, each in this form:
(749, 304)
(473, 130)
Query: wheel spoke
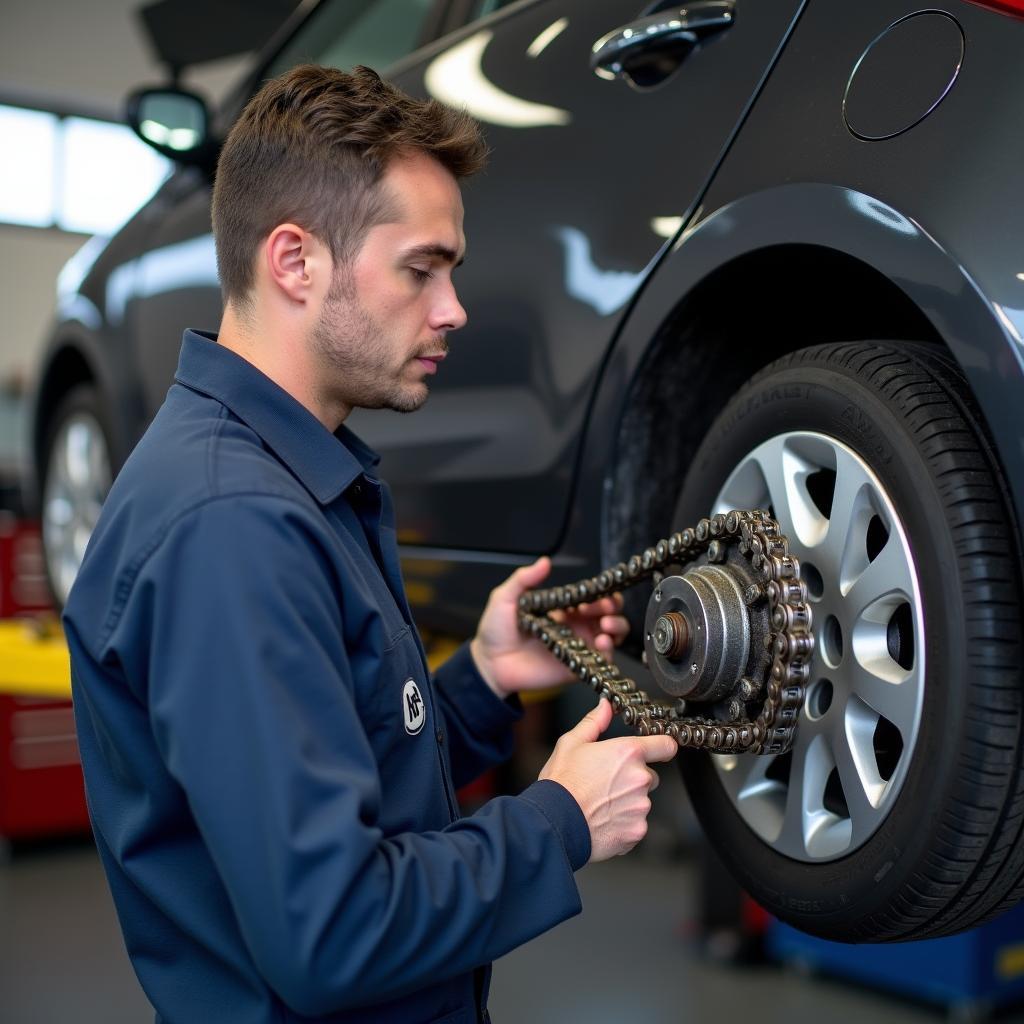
(746, 776)
(786, 467)
(863, 787)
(771, 460)
(761, 798)
(888, 578)
(77, 455)
(746, 487)
(806, 785)
(848, 519)
(897, 702)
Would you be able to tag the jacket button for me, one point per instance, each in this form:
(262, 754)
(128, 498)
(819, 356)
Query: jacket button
(440, 738)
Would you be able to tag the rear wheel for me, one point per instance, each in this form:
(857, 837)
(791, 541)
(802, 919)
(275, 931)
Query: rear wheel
(76, 479)
(898, 812)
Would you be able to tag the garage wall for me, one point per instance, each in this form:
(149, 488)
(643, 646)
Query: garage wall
(31, 260)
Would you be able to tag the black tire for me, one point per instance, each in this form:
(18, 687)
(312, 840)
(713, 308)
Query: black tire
(949, 853)
(83, 400)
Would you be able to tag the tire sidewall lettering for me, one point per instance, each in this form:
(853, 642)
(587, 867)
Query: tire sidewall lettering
(754, 402)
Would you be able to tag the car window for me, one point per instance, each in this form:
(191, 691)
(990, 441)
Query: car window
(343, 33)
(484, 7)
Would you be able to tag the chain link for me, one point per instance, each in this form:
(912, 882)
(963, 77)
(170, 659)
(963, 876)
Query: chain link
(779, 694)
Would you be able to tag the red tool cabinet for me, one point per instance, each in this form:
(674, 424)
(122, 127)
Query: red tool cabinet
(41, 791)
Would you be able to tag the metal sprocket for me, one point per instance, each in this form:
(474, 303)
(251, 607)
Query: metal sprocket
(778, 694)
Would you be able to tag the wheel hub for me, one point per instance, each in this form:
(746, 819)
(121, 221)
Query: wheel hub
(704, 633)
(672, 636)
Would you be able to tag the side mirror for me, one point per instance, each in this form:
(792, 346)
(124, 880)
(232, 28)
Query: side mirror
(174, 122)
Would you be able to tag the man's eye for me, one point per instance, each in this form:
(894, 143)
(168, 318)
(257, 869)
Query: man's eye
(421, 275)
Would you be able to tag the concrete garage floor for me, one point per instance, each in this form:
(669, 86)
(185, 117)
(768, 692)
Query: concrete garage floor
(628, 958)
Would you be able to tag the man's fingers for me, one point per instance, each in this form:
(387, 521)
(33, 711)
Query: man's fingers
(603, 606)
(657, 748)
(615, 625)
(526, 577)
(592, 724)
(655, 780)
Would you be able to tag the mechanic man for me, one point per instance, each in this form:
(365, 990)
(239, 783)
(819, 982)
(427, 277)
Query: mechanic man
(271, 771)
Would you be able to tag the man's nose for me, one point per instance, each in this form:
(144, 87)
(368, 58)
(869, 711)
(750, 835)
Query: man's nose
(449, 314)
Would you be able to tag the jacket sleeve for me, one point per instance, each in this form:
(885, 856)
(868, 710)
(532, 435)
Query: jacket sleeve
(479, 723)
(250, 700)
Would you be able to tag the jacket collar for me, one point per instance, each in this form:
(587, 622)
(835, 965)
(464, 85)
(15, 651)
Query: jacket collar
(326, 463)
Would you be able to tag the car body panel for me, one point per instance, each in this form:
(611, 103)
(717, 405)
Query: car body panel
(553, 264)
(177, 277)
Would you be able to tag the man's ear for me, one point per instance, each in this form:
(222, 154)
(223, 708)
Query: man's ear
(296, 262)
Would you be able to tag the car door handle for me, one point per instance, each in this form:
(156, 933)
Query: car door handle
(685, 25)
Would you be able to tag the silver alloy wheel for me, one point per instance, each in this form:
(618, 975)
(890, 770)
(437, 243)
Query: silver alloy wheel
(864, 698)
(78, 477)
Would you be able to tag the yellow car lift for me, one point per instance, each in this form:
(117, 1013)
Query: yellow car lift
(34, 659)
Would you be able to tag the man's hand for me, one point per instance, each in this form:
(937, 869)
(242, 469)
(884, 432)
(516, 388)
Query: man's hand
(510, 662)
(610, 780)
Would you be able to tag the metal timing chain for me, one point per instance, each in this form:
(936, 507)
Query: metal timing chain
(790, 642)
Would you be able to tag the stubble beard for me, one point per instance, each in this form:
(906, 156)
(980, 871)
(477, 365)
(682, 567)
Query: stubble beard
(357, 367)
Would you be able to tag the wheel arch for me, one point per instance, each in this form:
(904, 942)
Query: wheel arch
(755, 279)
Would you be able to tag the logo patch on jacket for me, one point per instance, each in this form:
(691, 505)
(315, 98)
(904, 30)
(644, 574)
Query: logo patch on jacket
(413, 709)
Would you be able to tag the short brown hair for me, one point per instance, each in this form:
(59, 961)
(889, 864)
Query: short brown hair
(311, 147)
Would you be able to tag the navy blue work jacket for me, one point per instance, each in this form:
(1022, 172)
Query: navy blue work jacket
(270, 768)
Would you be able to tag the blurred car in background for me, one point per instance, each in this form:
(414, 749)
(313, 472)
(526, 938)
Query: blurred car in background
(737, 254)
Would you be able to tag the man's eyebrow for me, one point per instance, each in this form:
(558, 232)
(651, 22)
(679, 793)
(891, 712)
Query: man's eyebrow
(434, 249)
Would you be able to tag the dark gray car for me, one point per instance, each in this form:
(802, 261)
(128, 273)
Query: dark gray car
(735, 255)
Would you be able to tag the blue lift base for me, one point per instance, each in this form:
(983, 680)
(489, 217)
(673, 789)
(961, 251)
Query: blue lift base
(971, 972)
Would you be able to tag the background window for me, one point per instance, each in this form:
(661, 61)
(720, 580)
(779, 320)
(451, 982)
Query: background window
(108, 174)
(73, 173)
(28, 167)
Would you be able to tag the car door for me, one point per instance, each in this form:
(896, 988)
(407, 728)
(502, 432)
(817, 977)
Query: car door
(590, 178)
